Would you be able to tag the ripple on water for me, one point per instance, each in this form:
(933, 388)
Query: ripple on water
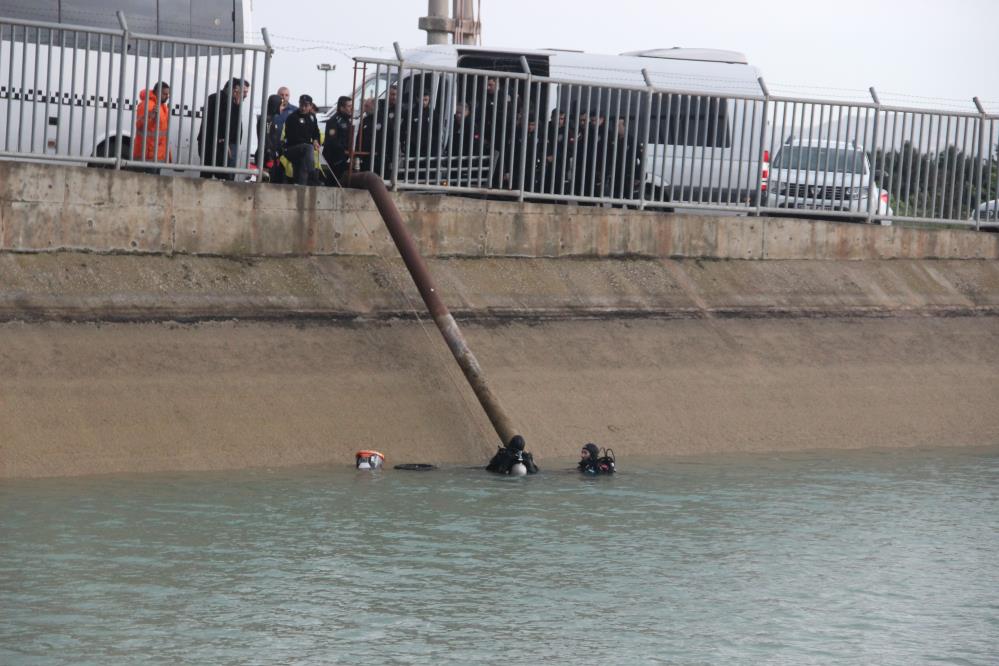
(876, 557)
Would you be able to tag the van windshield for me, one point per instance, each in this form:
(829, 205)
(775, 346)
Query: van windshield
(818, 158)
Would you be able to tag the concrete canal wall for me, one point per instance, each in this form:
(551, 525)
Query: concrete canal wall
(152, 324)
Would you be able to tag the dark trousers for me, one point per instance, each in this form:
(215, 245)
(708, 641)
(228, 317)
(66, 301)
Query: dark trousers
(303, 162)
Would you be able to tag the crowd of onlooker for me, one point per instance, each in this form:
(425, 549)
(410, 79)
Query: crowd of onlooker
(489, 142)
(486, 144)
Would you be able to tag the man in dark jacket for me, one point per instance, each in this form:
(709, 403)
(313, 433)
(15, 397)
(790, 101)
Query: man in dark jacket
(336, 144)
(378, 130)
(221, 127)
(301, 138)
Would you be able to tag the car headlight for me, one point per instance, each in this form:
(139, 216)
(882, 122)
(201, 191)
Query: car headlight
(853, 192)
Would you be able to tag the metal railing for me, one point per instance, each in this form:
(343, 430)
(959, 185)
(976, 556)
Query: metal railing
(543, 138)
(90, 95)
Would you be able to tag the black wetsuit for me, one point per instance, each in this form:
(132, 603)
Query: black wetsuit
(506, 458)
(595, 466)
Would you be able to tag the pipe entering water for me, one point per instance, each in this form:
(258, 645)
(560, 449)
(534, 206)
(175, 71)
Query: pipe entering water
(442, 317)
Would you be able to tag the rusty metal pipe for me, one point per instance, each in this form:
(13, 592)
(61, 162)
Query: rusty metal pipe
(442, 317)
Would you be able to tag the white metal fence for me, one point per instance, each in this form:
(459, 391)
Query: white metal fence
(515, 134)
(121, 99)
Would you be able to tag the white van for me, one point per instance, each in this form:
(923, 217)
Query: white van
(703, 143)
(59, 88)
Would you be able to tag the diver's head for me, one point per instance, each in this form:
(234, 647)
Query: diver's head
(516, 443)
(589, 452)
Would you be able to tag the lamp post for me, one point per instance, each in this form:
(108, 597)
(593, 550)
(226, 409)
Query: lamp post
(326, 68)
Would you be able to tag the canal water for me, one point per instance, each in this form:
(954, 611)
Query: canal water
(877, 557)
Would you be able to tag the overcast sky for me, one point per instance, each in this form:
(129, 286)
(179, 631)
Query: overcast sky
(927, 48)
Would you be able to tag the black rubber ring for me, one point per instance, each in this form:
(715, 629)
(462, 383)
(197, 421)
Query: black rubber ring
(416, 467)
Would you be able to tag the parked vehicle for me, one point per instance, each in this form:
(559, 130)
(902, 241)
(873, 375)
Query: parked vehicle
(59, 88)
(824, 175)
(703, 143)
(987, 216)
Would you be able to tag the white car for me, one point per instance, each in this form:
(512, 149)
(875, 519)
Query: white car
(824, 175)
(987, 216)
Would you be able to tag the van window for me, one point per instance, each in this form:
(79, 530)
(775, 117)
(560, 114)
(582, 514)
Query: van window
(820, 158)
(692, 120)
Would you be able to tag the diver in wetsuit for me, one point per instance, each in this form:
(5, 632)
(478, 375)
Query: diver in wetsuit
(508, 458)
(592, 463)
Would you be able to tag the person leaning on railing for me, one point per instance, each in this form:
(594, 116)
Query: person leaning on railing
(302, 141)
(152, 124)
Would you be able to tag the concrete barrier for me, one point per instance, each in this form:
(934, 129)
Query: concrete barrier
(51, 207)
(153, 323)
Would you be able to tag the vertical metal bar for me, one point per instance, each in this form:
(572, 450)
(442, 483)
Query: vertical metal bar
(678, 141)
(594, 128)
(917, 154)
(379, 159)
(663, 128)
(156, 129)
(212, 158)
(572, 164)
(10, 88)
(942, 150)
(950, 166)
(874, 197)
(181, 106)
(543, 176)
(899, 167)
(97, 91)
(612, 182)
(694, 151)
(526, 120)
(755, 143)
(171, 103)
(86, 92)
(460, 85)
(109, 104)
(48, 86)
(23, 80)
(534, 89)
(193, 144)
(478, 147)
(727, 180)
(34, 89)
(958, 181)
(936, 170)
(397, 136)
(890, 166)
(644, 167)
(942, 183)
(444, 96)
(242, 159)
(415, 106)
(121, 89)
(760, 195)
(982, 145)
(708, 150)
(912, 152)
(72, 94)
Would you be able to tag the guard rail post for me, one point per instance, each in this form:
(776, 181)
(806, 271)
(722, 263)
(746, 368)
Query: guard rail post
(262, 123)
(645, 140)
(397, 130)
(874, 198)
(983, 145)
(523, 133)
(121, 90)
(760, 193)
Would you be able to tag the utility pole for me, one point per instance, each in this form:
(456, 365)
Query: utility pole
(436, 22)
(326, 68)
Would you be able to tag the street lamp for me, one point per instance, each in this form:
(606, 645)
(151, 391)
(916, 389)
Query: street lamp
(326, 68)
